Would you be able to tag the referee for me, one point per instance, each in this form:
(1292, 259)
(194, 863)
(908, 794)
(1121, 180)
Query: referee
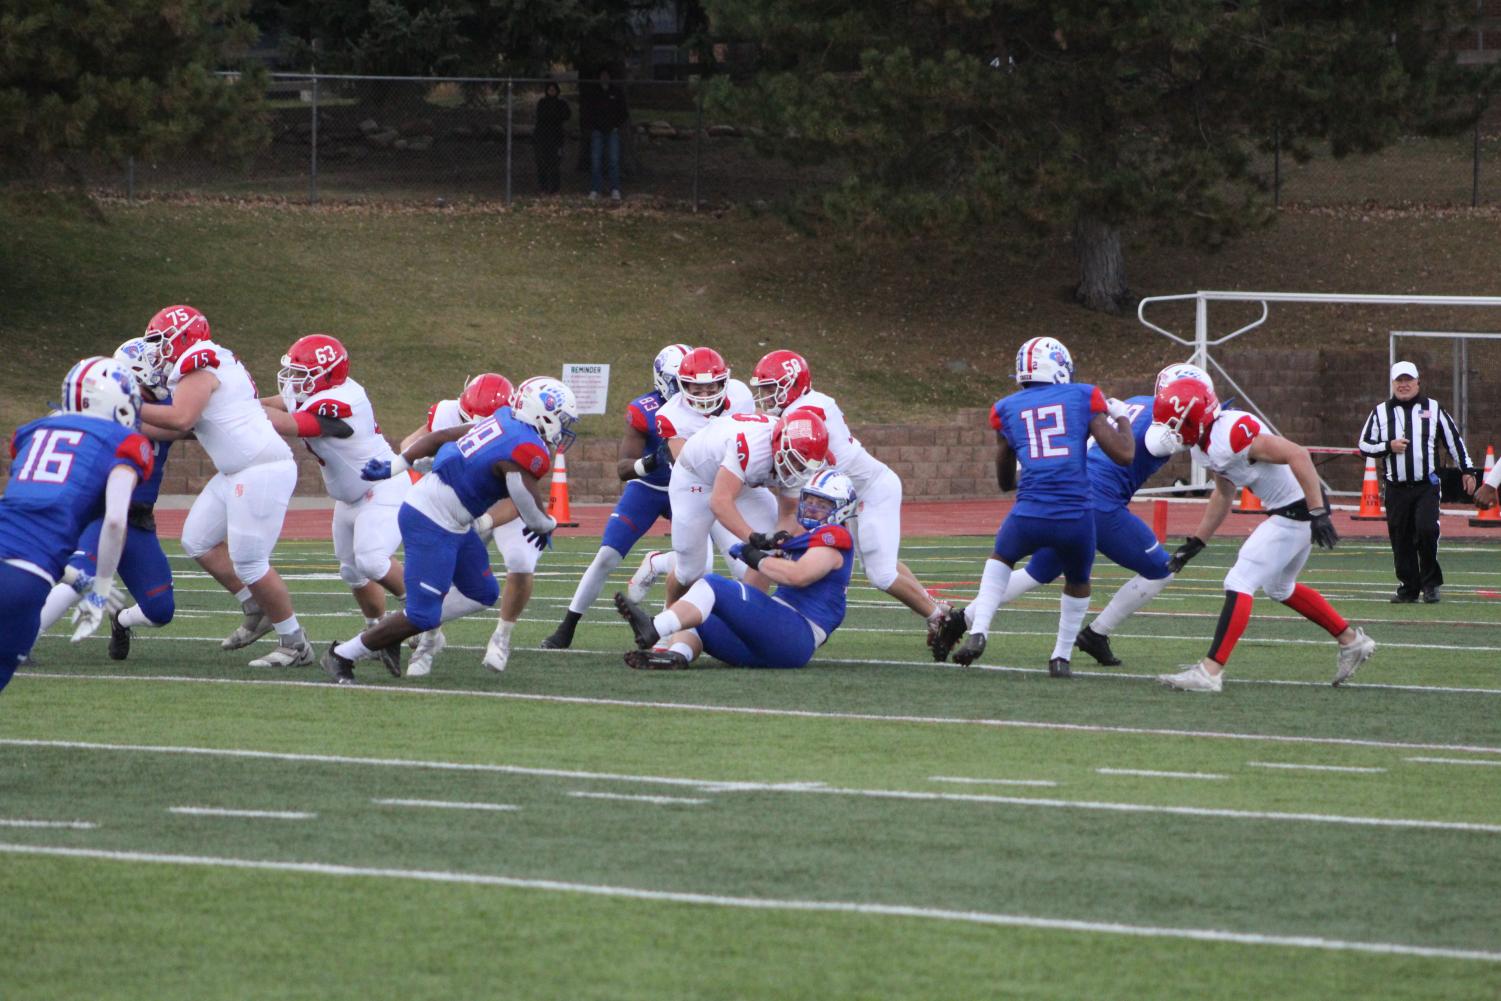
(1404, 432)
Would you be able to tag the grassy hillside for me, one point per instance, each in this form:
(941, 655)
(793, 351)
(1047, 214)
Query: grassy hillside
(424, 296)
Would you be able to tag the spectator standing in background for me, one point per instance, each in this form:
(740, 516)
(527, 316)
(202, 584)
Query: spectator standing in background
(1404, 433)
(547, 138)
(603, 114)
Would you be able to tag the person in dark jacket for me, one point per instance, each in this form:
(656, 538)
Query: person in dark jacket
(547, 138)
(603, 114)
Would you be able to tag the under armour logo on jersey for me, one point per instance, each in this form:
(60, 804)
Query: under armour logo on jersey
(695, 489)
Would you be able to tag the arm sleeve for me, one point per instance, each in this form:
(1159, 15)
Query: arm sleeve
(526, 505)
(117, 490)
(1371, 441)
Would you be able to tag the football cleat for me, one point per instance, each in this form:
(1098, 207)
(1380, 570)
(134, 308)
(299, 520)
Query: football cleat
(119, 638)
(247, 632)
(424, 651)
(390, 658)
(1058, 668)
(1097, 645)
(641, 624)
(974, 645)
(340, 670)
(656, 660)
(943, 634)
(296, 655)
(643, 579)
(1351, 657)
(562, 637)
(1193, 679)
(498, 651)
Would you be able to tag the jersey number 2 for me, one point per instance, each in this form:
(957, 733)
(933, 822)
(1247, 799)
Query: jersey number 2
(48, 462)
(1041, 435)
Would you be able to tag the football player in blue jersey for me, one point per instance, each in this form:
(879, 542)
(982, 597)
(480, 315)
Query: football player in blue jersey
(1120, 536)
(143, 566)
(66, 468)
(736, 623)
(445, 518)
(644, 466)
(1045, 426)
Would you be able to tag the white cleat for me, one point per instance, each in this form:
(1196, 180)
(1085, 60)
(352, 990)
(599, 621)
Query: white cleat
(247, 632)
(424, 652)
(498, 651)
(286, 656)
(1351, 657)
(643, 579)
(1194, 679)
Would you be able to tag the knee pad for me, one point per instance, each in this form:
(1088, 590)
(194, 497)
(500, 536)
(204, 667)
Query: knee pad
(487, 592)
(195, 546)
(351, 575)
(881, 578)
(424, 611)
(159, 606)
(1279, 593)
(370, 565)
(251, 569)
(519, 555)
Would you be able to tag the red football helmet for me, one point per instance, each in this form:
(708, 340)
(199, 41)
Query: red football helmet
(1182, 413)
(799, 448)
(704, 379)
(172, 331)
(780, 379)
(483, 395)
(311, 365)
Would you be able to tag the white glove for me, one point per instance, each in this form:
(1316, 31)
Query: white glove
(484, 525)
(1117, 409)
(89, 614)
(424, 465)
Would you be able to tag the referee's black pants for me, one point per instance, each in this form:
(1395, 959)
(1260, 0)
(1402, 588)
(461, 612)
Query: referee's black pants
(1412, 526)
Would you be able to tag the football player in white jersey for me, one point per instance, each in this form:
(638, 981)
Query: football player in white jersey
(520, 548)
(1243, 455)
(234, 523)
(744, 472)
(314, 383)
(705, 391)
(782, 380)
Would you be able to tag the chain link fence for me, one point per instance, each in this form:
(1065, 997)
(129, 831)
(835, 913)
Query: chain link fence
(479, 138)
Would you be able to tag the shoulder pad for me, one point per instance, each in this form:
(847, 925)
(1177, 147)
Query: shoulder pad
(197, 359)
(830, 537)
(328, 406)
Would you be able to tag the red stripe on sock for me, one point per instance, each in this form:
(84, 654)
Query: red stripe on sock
(1315, 608)
(1234, 616)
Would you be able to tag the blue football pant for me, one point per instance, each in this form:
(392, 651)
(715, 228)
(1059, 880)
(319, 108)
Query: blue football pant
(437, 559)
(747, 628)
(143, 569)
(1120, 537)
(22, 595)
(1072, 541)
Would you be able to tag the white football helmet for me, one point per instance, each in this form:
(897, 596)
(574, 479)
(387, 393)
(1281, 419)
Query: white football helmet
(1044, 359)
(100, 387)
(139, 359)
(827, 499)
(1182, 370)
(664, 368)
(548, 407)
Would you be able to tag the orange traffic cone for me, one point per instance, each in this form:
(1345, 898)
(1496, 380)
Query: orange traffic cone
(1370, 495)
(1491, 516)
(1249, 503)
(557, 502)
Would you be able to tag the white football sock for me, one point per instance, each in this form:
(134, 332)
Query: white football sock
(1021, 582)
(684, 649)
(354, 649)
(61, 598)
(593, 581)
(503, 628)
(287, 626)
(667, 622)
(1133, 594)
(1071, 612)
(992, 589)
(457, 604)
(133, 616)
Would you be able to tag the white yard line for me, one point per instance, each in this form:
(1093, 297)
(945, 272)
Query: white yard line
(660, 800)
(1318, 768)
(72, 825)
(214, 811)
(1452, 761)
(1149, 774)
(772, 904)
(441, 804)
(807, 788)
(1041, 783)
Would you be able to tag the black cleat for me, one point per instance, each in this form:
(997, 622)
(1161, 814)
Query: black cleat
(339, 669)
(1097, 646)
(1431, 596)
(390, 658)
(974, 645)
(656, 660)
(1058, 668)
(562, 637)
(640, 622)
(1404, 597)
(949, 632)
(119, 638)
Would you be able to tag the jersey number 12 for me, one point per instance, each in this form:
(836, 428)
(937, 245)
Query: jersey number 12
(1042, 435)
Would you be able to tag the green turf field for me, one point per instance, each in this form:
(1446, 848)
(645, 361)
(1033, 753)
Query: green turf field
(872, 826)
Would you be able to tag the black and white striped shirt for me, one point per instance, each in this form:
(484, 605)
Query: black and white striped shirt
(1423, 423)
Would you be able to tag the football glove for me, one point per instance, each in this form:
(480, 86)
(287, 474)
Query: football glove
(1116, 409)
(384, 469)
(647, 463)
(765, 543)
(748, 554)
(1322, 527)
(537, 539)
(1192, 546)
(89, 615)
(80, 581)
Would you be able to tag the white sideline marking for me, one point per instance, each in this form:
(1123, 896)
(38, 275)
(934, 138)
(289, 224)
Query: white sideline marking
(816, 788)
(1353, 769)
(771, 904)
(74, 825)
(214, 811)
(1047, 783)
(1149, 774)
(440, 804)
(1452, 761)
(581, 794)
